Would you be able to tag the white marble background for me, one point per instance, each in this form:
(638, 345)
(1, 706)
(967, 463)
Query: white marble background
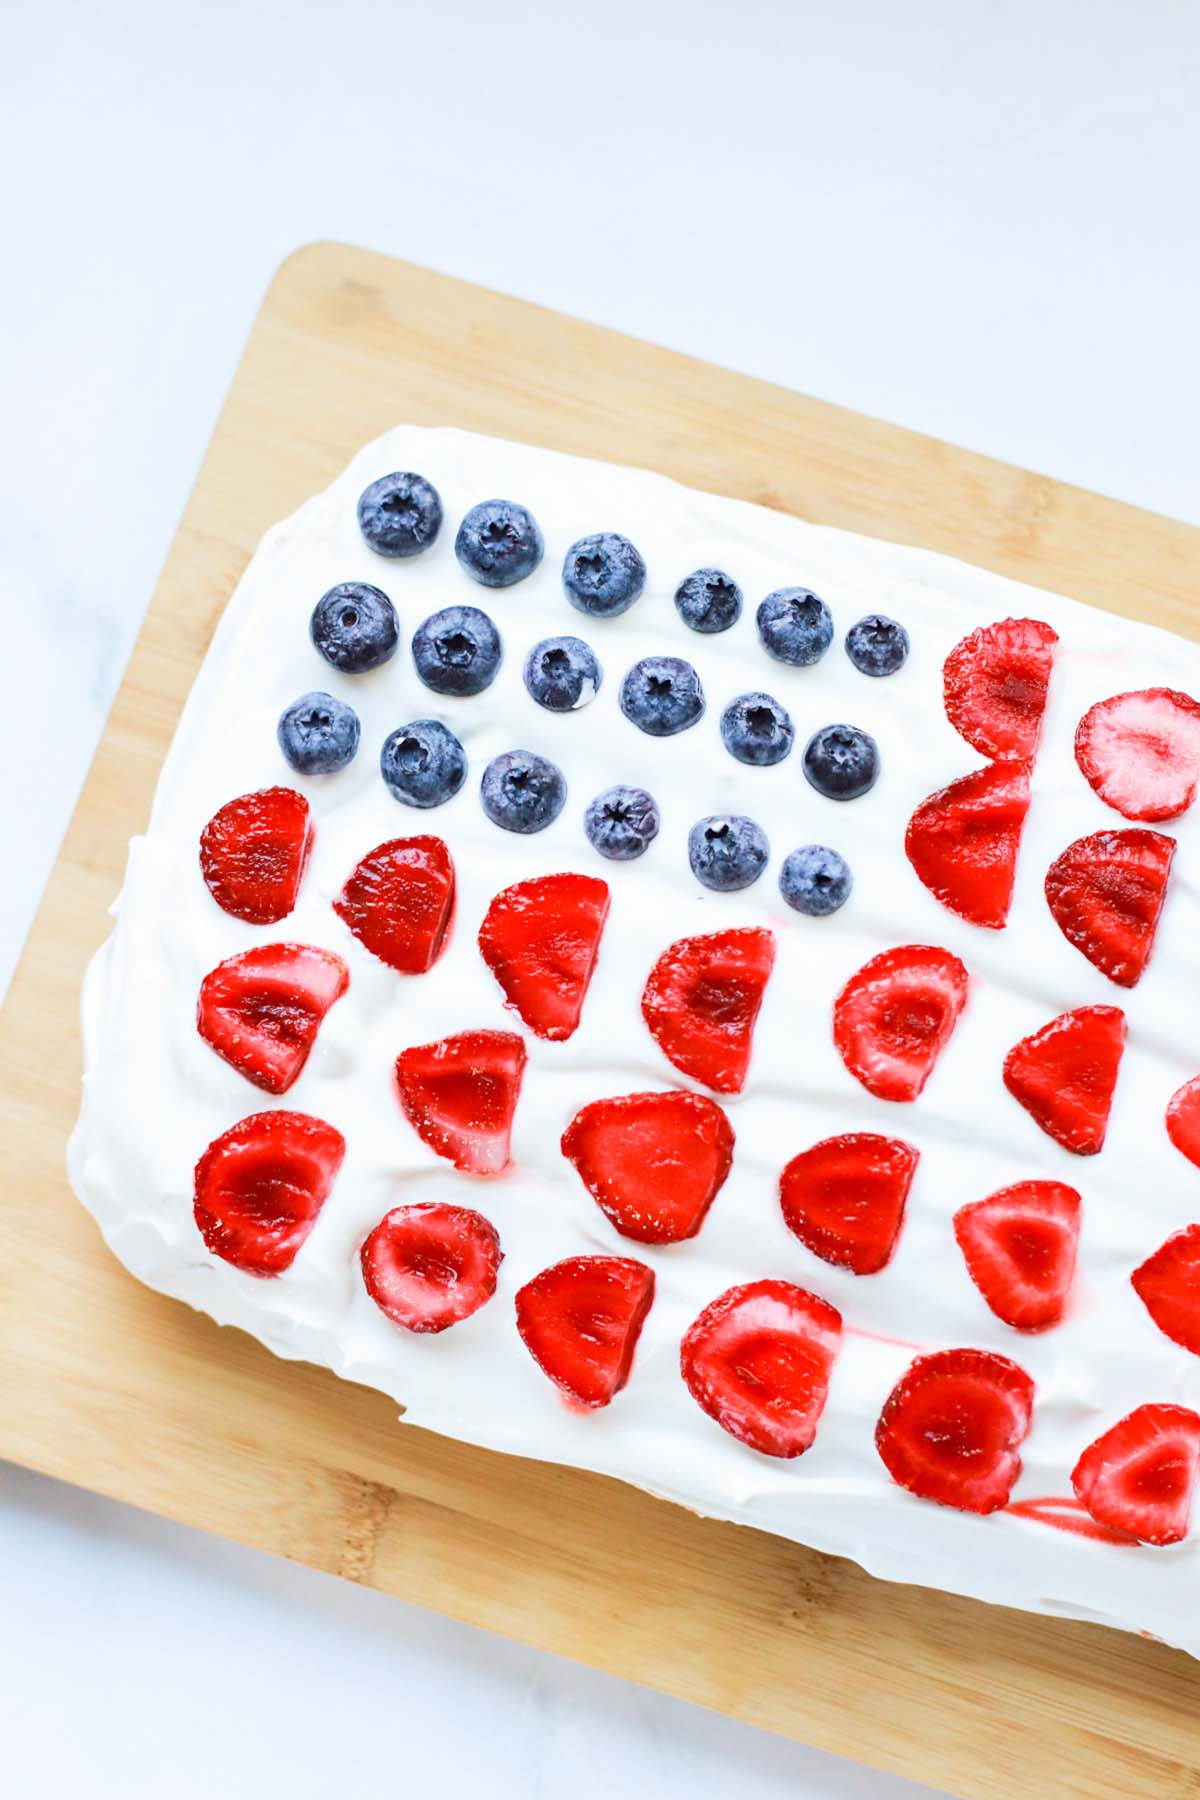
(977, 221)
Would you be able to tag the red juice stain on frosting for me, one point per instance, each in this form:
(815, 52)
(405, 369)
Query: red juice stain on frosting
(1065, 1513)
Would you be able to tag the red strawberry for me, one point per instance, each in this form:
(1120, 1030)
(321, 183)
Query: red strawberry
(540, 939)
(701, 1001)
(580, 1321)
(893, 1019)
(1106, 892)
(654, 1163)
(1139, 1475)
(399, 902)
(952, 1426)
(1064, 1075)
(430, 1265)
(261, 1010)
(963, 841)
(253, 854)
(845, 1198)
(1141, 752)
(1168, 1285)
(1183, 1120)
(758, 1361)
(1019, 1245)
(460, 1094)
(260, 1186)
(995, 685)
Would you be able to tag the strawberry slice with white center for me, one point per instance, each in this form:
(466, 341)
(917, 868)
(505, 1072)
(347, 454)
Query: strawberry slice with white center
(1064, 1075)
(952, 1427)
(894, 1017)
(399, 902)
(540, 939)
(995, 684)
(1183, 1120)
(253, 854)
(653, 1163)
(757, 1360)
(1141, 752)
(460, 1094)
(1168, 1285)
(1020, 1246)
(701, 1002)
(963, 841)
(260, 1186)
(845, 1197)
(261, 1010)
(580, 1320)
(1106, 892)
(428, 1266)
(1140, 1475)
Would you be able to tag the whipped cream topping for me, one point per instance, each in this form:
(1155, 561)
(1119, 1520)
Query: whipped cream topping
(155, 1095)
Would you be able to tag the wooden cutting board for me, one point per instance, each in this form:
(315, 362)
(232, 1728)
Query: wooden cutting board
(110, 1386)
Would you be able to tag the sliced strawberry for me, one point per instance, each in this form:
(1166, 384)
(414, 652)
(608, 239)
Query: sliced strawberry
(701, 1001)
(261, 1010)
(952, 1427)
(430, 1265)
(963, 841)
(995, 684)
(893, 1019)
(260, 1186)
(399, 902)
(844, 1198)
(1183, 1120)
(1139, 1476)
(460, 1094)
(1020, 1246)
(1141, 752)
(580, 1321)
(758, 1361)
(253, 854)
(1168, 1286)
(540, 938)
(653, 1162)
(1106, 892)
(1064, 1075)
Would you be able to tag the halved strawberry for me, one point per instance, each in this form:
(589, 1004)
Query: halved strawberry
(653, 1162)
(260, 1186)
(845, 1197)
(1140, 1474)
(952, 1427)
(963, 841)
(995, 683)
(253, 854)
(460, 1094)
(261, 1010)
(758, 1361)
(1141, 752)
(399, 901)
(540, 939)
(1020, 1246)
(1168, 1286)
(580, 1321)
(1064, 1075)
(701, 1001)
(894, 1017)
(428, 1266)
(1183, 1120)
(1106, 892)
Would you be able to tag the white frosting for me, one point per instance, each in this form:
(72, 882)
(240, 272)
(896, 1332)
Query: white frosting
(155, 1095)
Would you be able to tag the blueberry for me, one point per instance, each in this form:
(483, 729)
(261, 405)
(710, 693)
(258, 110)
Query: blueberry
(662, 695)
(841, 761)
(603, 574)
(562, 673)
(400, 514)
(457, 651)
(727, 852)
(354, 626)
(708, 600)
(757, 730)
(795, 626)
(621, 823)
(877, 645)
(318, 734)
(422, 764)
(522, 792)
(498, 543)
(815, 880)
